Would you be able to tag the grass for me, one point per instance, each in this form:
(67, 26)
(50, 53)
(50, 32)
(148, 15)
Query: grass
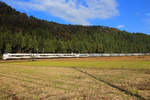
(88, 64)
(55, 79)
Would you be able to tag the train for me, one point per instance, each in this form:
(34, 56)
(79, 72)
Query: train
(7, 56)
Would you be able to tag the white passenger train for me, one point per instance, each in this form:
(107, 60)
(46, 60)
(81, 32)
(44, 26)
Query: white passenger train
(63, 55)
(36, 56)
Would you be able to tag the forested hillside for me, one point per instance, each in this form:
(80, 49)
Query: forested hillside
(23, 34)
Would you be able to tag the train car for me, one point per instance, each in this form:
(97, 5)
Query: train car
(37, 56)
(64, 55)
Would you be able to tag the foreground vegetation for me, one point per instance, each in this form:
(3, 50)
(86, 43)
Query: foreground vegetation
(22, 33)
(106, 78)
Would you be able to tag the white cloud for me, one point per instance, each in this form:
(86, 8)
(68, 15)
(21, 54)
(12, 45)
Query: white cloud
(73, 11)
(120, 26)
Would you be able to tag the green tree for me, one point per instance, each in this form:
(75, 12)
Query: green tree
(8, 48)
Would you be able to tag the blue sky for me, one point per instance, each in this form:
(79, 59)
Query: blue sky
(129, 15)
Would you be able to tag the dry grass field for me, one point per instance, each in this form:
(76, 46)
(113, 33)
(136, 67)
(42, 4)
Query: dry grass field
(103, 78)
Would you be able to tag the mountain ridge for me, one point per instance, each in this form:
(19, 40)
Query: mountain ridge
(22, 33)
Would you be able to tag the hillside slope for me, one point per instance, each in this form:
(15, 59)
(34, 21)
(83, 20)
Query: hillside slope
(22, 33)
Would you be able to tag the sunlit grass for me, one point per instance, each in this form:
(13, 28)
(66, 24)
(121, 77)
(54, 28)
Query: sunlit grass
(89, 64)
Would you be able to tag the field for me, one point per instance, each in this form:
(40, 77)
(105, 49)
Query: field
(103, 78)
